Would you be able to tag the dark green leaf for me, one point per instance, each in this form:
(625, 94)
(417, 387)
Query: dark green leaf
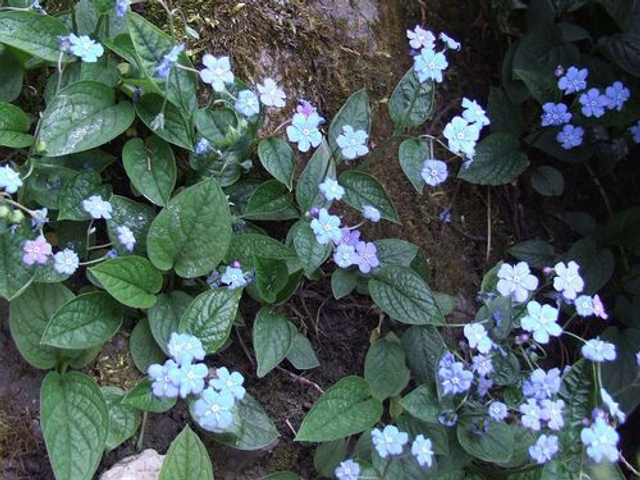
(596, 264)
(624, 50)
(244, 247)
(494, 445)
(15, 275)
(363, 189)
(423, 403)
(385, 369)
(328, 456)
(32, 33)
(620, 376)
(271, 277)
(392, 251)
(14, 125)
(164, 316)
(343, 282)
(176, 129)
(123, 420)
(277, 158)
(187, 459)
(356, 113)
(311, 254)
(423, 347)
(411, 103)
(537, 253)
(141, 397)
(498, 161)
(320, 166)
(272, 339)
(270, 201)
(301, 354)
(412, 154)
(11, 75)
(144, 349)
(77, 189)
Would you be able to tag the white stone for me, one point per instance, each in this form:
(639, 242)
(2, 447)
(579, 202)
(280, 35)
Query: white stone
(145, 466)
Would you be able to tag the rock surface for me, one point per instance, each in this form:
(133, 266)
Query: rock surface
(145, 466)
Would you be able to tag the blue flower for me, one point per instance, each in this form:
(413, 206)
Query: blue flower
(530, 415)
(367, 256)
(482, 365)
(113, 253)
(574, 80)
(617, 95)
(552, 413)
(233, 277)
(66, 262)
(612, 406)
(35, 5)
(350, 237)
(161, 385)
(389, 441)
(353, 144)
(484, 385)
(169, 60)
(213, 410)
(434, 172)
(554, 114)
(326, 228)
(97, 208)
(568, 280)
(570, 137)
(498, 411)
(185, 348)
(634, 130)
(202, 147)
(422, 449)
(420, 38)
(217, 72)
(82, 46)
(371, 213)
(121, 8)
(126, 237)
(516, 280)
(462, 136)
(189, 378)
(455, 379)
(226, 381)
(304, 131)
(447, 360)
(271, 95)
(448, 418)
(542, 385)
(598, 350)
(584, 305)
(474, 113)
(601, 441)
(450, 42)
(248, 103)
(429, 65)
(331, 189)
(593, 103)
(445, 216)
(544, 449)
(345, 256)
(542, 321)
(10, 180)
(477, 337)
(39, 217)
(348, 470)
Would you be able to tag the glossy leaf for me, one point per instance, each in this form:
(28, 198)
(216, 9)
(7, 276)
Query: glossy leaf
(165, 314)
(187, 459)
(270, 201)
(77, 189)
(32, 33)
(319, 167)
(15, 275)
(385, 369)
(143, 347)
(301, 354)
(411, 103)
(356, 112)
(176, 128)
(363, 189)
(412, 154)
(547, 181)
(272, 339)
(277, 158)
(498, 161)
(133, 215)
(123, 419)
(14, 125)
(11, 76)
(494, 445)
(311, 254)
(141, 397)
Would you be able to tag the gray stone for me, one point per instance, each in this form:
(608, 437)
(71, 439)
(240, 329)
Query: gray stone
(145, 466)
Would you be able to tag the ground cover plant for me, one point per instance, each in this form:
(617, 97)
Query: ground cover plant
(145, 191)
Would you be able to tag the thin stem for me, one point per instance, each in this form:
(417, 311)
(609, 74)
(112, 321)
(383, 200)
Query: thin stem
(277, 129)
(92, 262)
(143, 426)
(8, 199)
(88, 236)
(633, 470)
(60, 70)
(185, 68)
(98, 247)
(603, 193)
(166, 8)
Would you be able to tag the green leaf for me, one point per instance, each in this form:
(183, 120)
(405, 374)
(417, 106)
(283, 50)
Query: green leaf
(311, 254)
(624, 50)
(385, 369)
(345, 409)
(620, 376)
(218, 125)
(143, 348)
(596, 264)
(75, 424)
(343, 282)
(77, 189)
(423, 403)
(151, 167)
(542, 85)
(328, 456)
(81, 117)
(412, 154)
(30, 314)
(363, 189)
(494, 445)
(282, 476)
(14, 125)
(141, 397)
(575, 390)
(11, 76)
(277, 158)
(136, 216)
(404, 296)
(301, 354)
(623, 230)
(193, 232)
(272, 339)
(498, 161)
(210, 317)
(105, 70)
(187, 459)
(271, 277)
(411, 103)
(86, 321)
(537, 253)
(15, 275)
(626, 13)
(507, 369)
(547, 181)
(165, 314)
(270, 201)
(243, 248)
(176, 129)
(423, 347)
(548, 143)
(131, 280)
(123, 419)
(504, 114)
(355, 112)
(392, 251)
(543, 48)
(319, 167)
(32, 33)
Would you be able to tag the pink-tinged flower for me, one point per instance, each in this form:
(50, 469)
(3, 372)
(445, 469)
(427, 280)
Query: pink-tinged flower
(598, 308)
(305, 108)
(36, 251)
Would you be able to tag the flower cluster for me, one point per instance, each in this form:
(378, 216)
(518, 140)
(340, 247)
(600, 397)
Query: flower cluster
(429, 64)
(81, 46)
(232, 277)
(463, 132)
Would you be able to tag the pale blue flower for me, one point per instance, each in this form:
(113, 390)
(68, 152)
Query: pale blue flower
(371, 213)
(97, 207)
(389, 441)
(634, 130)
(450, 42)
(217, 72)
(434, 172)
(574, 80)
(482, 365)
(474, 113)
(168, 61)
(367, 256)
(542, 321)
(612, 406)
(498, 411)
(233, 277)
(462, 136)
(484, 385)
(422, 450)
(601, 441)
(271, 95)
(420, 38)
(185, 348)
(161, 385)
(350, 237)
(10, 180)
(345, 256)
(331, 189)
(584, 306)
(247, 103)
(121, 8)
(326, 228)
(593, 103)
(531, 415)
(570, 137)
(231, 382)
(542, 385)
(516, 280)
(598, 350)
(304, 131)
(126, 237)
(568, 280)
(477, 337)
(455, 379)
(544, 449)
(352, 143)
(202, 147)
(213, 410)
(429, 65)
(554, 114)
(447, 360)
(66, 262)
(83, 47)
(348, 470)
(552, 413)
(35, 5)
(39, 217)
(189, 378)
(617, 95)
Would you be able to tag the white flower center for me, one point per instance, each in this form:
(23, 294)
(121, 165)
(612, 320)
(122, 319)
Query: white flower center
(305, 132)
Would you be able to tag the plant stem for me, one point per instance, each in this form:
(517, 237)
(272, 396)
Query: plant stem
(140, 441)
